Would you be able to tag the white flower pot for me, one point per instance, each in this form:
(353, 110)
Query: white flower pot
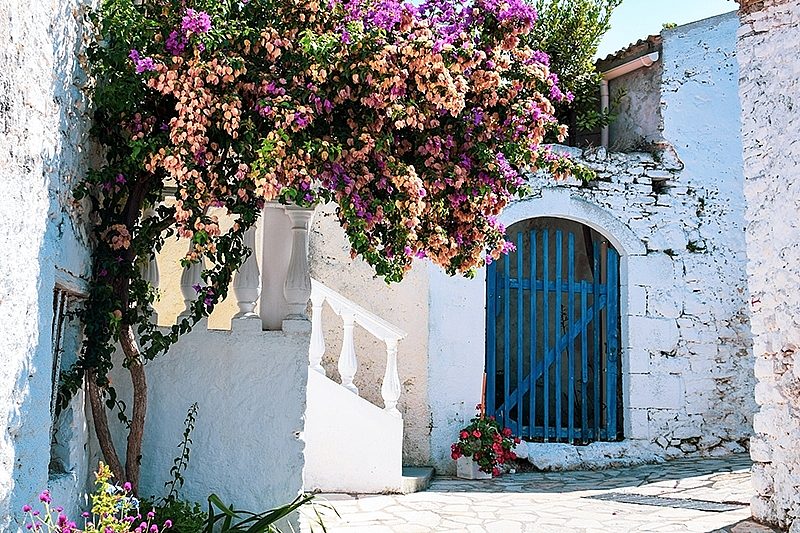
(467, 468)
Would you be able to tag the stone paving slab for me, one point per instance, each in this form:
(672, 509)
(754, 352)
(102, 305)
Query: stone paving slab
(692, 495)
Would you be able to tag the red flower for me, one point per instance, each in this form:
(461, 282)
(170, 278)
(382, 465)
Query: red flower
(506, 432)
(495, 471)
(497, 447)
(476, 434)
(511, 456)
(455, 455)
(517, 440)
(464, 435)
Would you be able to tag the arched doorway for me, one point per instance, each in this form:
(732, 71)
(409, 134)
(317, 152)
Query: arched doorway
(553, 334)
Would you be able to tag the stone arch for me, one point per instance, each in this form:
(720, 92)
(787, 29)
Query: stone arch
(560, 203)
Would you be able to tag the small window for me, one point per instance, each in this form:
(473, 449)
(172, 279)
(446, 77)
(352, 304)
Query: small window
(68, 426)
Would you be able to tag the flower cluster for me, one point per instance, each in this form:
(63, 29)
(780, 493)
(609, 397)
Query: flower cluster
(114, 510)
(486, 442)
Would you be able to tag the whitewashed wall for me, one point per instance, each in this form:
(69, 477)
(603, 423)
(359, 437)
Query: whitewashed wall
(250, 387)
(770, 84)
(677, 221)
(43, 141)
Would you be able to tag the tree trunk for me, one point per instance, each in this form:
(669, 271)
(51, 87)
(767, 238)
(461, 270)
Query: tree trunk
(100, 418)
(138, 379)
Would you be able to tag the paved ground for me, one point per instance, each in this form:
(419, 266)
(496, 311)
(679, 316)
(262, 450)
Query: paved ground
(696, 495)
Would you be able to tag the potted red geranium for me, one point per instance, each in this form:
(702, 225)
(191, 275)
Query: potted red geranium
(482, 447)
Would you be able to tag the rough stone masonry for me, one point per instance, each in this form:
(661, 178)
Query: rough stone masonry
(769, 89)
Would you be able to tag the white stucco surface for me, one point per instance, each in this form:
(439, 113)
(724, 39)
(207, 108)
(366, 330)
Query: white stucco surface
(43, 151)
(769, 88)
(351, 445)
(250, 387)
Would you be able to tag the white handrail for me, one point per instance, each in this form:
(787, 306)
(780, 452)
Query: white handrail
(366, 319)
(351, 314)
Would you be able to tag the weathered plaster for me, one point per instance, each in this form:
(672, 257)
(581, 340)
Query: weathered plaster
(769, 85)
(43, 152)
(635, 102)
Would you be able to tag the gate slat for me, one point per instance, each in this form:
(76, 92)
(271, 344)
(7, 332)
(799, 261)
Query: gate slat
(491, 340)
(532, 376)
(520, 332)
(506, 334)
(546, 328)
(559, 349)
(596, 405)
(571, 345)
(584, 368)
(611, 335)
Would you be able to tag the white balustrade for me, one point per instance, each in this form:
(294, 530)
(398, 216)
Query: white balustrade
(246, 283)
(191, 277)
(352, 314)
(149, 270)
(390, 389)
(348, 362)
(317, 349)
(297, 288)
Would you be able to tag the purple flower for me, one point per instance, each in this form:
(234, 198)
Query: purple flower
(176, 43)
(541, 57)
(45, 497)
(168, 524)
(26, 508)
(142, 64)
(196, 287)
(195, 22)
(120, 179)
(127, 486)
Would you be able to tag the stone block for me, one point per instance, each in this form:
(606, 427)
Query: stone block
(665, 303)
(651, 270)
(760, 450)
(637, 300)
(656, 391)
(638, 424)
(655, 334)
(552, 456)
(761, 480)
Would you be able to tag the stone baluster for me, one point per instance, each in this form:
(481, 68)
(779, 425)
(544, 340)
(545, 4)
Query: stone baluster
(297, 288)
(149, 269)
(246, 283)
(317, 349)
(348, 363)
(190, 278)
(390, 389)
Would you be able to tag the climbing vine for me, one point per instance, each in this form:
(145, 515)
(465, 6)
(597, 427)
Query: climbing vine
(416, 120)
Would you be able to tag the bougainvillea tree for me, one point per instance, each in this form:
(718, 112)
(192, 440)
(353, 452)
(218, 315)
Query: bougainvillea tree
(417, 120)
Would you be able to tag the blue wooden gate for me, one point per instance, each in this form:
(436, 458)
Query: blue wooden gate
(552, 337)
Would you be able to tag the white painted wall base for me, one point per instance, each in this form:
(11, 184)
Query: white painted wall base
(351, 444)
(250, 386)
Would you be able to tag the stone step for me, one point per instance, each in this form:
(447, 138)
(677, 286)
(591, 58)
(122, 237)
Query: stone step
(416, 479)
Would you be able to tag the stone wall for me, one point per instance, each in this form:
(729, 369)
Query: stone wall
(43, 151)
(769, 88)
